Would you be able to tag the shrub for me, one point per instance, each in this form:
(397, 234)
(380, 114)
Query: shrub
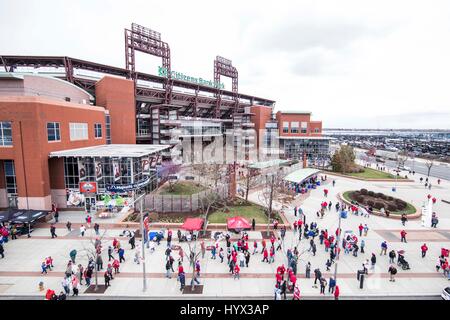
(364, 191)
(381, 195)
(401, 204)
(370, 203)
(371, 193)
(360, 199)
(378, 205)
(392, 207)
(389, 198)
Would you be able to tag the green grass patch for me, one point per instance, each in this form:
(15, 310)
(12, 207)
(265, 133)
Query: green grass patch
(373, 174)
(182, 188)
(247, 211)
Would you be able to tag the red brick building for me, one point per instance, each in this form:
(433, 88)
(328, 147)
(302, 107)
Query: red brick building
(40, 115)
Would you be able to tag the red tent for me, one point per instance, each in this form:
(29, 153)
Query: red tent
(238, 223)
(192, 224)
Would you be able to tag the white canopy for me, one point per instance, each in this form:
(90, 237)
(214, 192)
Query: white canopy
(112, 151)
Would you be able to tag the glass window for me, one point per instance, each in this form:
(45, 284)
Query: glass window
(294, 127)
(5, 133)
(285, 127)
(316, 130)
(304, 127)
(98, 130)
(10, 177)
(53, 133)
(78, 131)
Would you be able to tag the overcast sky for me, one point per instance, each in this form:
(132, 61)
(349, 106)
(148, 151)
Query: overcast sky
(358, 64)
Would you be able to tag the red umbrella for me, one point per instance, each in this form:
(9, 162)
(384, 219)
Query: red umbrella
(192, 224)
(238, 223)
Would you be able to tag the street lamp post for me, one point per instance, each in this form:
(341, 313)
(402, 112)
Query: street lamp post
(270, 201)
(141, 205)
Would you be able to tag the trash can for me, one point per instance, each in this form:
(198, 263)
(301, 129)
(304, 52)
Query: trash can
(358, 274)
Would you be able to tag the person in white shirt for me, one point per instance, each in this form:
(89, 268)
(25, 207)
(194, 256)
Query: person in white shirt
(82, 230)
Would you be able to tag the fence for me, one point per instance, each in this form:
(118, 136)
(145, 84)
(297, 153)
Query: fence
(181, 203)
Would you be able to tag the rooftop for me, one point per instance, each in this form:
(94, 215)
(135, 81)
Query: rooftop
(112, 151)
(267, 164)
(301, 175)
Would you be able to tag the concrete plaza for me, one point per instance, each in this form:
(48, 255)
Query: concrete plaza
(20, 269)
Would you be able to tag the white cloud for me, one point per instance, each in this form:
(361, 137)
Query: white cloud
(352, 63)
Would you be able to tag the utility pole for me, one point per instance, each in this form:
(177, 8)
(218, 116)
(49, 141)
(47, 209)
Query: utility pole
(272, 182)
(338, 242)
(141, 204)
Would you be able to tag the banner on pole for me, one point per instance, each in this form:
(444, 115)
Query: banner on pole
(98, 169)
(116, 170)
(81, 169)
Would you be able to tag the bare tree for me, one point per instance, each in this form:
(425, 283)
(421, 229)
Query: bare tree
(213, 172)
(91, 251)
(429, 164)
(250, 181)
(192, 257)
(210, 202)
(271, 190)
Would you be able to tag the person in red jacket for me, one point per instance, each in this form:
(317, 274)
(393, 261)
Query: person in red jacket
(265, 256)
(272, 239)
(360, 229)
(327, 244)
(279, 278)
(336, 293)
(403, 236)
(325, 192)
(236, 271)
(424, 249)
(263, 243)
(116, 266)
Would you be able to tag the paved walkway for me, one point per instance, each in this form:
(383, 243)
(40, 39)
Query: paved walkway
(20, 269)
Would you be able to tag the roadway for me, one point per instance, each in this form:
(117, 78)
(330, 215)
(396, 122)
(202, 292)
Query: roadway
(438, 170)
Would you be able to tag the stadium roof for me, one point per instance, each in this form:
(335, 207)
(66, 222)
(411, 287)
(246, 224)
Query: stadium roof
(112, 150)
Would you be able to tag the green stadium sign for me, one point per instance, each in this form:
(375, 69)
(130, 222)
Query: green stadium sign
(162, 72)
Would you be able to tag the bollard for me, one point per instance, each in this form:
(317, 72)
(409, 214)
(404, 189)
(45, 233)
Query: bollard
(361, 281)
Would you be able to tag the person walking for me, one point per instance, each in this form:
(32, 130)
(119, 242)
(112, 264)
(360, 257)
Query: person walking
(366, 230)
(168, 269)
(265, 256)
(360, 228)
(384, 247)
(331, 285)
(73, 255)
(336, 293)
(69, 226)
(97, 229)
(110, 252)
(82, 230)
(323, 284)
(132, 241)
(121, 255)
(253, 224)
(392, 256)
(53, 231)
(247, 258)
(403, 234)
(404, 219)
(80, 272)
(236, 272)
(424, 250)
(317, 276)
(75, 286)
(65, 284)
(308, 270)
(363, 244)
(373, 261)
(106, 277)
(392, 272)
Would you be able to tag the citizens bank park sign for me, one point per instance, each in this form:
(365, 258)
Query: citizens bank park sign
(162, 72)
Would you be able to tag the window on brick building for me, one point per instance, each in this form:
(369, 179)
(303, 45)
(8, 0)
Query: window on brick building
(285, 127)
(316, 130)
(294, 127)
(78, 131)
(98, 130)
(5, 133)
(53, 133)
(304, 127)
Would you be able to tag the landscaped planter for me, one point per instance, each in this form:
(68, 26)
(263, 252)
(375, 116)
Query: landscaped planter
(417, 214)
